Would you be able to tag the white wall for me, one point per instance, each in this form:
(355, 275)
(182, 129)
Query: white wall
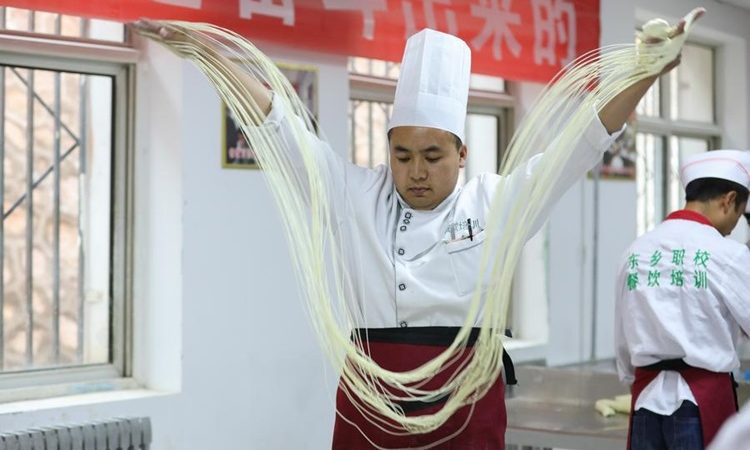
(571, 235)
(257, 367)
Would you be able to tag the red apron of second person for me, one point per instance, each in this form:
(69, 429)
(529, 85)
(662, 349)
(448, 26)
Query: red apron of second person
(714, 394)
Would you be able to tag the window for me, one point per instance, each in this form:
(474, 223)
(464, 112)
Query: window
(64, 191)
(488, 126)
(373, 85)
(676, 119)
(60, 26)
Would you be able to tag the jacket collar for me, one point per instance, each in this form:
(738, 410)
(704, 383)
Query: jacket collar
(686, 214)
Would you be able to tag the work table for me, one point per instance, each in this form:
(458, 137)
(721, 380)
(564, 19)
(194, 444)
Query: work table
(554, 407)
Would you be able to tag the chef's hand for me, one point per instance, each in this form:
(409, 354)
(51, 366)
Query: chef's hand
(615, 113)
(157, 30)
(657, 31)
(185, 44)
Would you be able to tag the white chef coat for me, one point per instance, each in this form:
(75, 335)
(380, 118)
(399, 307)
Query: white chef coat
(697, 324)
(735, 433)
(419, 268)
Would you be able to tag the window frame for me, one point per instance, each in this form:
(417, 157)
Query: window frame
(371, 88)
(126, 42)
(500, 104)
(667, 130)
(118, 62)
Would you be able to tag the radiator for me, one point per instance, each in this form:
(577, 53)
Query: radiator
(115, 434)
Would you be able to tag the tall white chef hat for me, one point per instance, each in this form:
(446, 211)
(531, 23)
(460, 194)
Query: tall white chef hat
(433, 88)
(732, 165)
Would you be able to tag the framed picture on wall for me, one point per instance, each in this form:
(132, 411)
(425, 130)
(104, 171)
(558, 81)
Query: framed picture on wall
(236, 152)
(619, 161)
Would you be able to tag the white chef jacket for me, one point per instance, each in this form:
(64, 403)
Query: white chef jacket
(689, 308)
(417, 267)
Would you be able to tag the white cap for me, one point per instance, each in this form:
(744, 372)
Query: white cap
(433, 88)
(732, 165)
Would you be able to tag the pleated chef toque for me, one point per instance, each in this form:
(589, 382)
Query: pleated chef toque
(433, 88)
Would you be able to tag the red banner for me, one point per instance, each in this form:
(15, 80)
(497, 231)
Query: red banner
(513, 39)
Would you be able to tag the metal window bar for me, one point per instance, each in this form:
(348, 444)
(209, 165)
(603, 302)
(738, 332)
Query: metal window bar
(30, 213)
(42, 103)
(667, 154)
(28, 197)
(83, 123)
(385, 112)
(83, 148)
(56, 216)
(36, 183)
(2, 202)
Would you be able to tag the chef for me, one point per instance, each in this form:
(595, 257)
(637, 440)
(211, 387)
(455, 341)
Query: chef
(681, 303)
(425, 233)
(420, 232)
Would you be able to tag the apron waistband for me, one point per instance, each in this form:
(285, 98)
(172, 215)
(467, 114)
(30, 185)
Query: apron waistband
(434, 336)
(680, 364)
(668, 364)
(438, 336)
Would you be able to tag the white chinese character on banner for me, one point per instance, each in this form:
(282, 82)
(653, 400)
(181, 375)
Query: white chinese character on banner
(366, 6)
(497, 23)
(194, 4)
(554, 23)
(284, 9)
(429, 15)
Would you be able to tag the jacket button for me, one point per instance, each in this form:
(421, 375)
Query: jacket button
(401, 251)
(406, 221)
(401, 287)
(403, 228)
(408, 215)
(403, 324)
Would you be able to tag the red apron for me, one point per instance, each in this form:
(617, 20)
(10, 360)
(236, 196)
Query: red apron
(405, 349)
(714, 392)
